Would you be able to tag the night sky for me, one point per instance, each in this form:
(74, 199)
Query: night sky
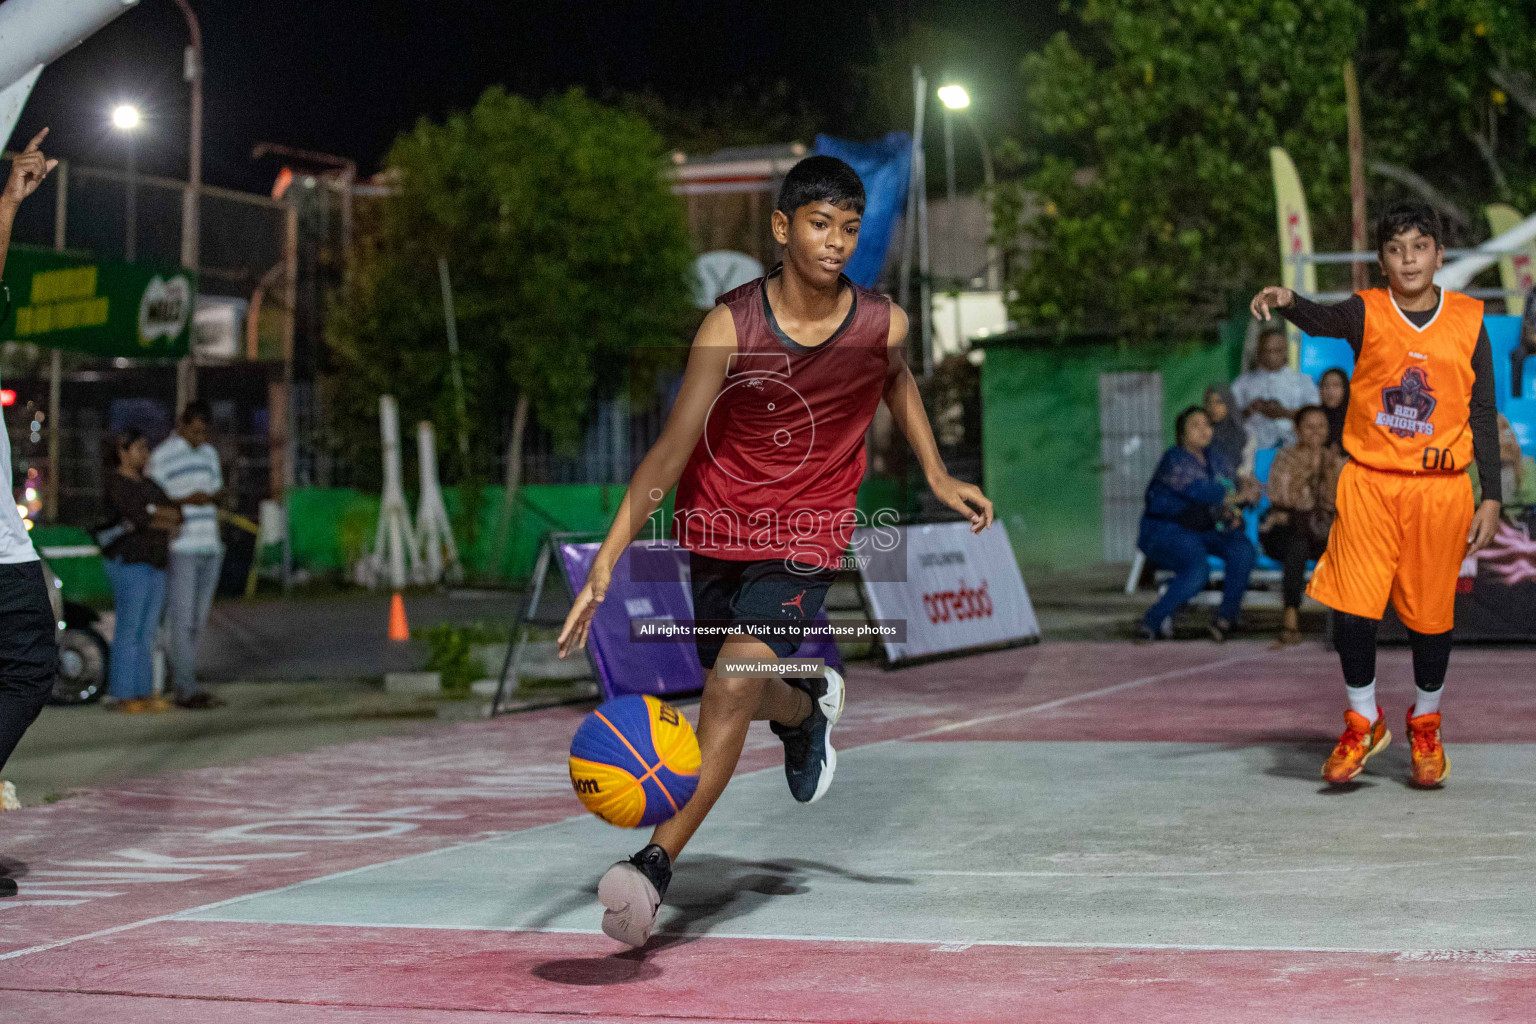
(345, 76)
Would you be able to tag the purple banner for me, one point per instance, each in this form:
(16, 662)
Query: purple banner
(650, 582)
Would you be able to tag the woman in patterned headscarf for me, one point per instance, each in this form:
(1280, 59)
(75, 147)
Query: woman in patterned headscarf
(1230, 437)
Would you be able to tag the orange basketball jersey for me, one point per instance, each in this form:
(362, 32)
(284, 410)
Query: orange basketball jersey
(1411, 393)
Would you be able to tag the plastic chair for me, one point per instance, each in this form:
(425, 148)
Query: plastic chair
(1503, 339)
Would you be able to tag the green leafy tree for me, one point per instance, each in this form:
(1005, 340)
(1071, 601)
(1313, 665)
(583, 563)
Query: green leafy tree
(566, 249)
(1144, 193)
(743, 115)
(1449, 99)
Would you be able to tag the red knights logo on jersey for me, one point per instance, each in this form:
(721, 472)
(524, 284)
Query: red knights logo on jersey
(1406, 408)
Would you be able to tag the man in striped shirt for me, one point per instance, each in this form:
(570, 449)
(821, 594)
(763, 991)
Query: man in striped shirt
(187, 467)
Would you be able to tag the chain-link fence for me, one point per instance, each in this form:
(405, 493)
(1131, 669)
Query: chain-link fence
(241, 235)
(245, 242)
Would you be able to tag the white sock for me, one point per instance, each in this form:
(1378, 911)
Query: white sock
(1362, 700)
(1427, 701)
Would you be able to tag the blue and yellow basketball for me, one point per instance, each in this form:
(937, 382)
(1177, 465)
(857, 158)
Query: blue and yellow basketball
(635, 761)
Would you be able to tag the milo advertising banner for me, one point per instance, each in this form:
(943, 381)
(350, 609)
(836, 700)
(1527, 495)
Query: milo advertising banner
(100, 307)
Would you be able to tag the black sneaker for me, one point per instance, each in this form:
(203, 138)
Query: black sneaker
(631, 893)
(7, 887)
(809, 760)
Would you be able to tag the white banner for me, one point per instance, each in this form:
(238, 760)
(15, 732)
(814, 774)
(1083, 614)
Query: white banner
(961, 589)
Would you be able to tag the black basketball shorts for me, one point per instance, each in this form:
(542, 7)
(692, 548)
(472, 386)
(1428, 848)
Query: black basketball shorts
(752, 595)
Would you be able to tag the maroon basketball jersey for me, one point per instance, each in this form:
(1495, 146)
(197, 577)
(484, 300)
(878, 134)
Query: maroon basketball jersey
(777, 470)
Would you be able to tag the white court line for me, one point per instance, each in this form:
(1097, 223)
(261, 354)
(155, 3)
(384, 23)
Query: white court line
(1090, 695)
(1101, 692)
(269, 892)
(1100, 875)
(200, 799)
(1492, 955)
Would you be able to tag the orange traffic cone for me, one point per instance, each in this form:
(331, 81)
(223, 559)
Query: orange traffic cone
(399, 629)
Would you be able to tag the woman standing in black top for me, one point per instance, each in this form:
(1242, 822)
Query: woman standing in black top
(135, 563)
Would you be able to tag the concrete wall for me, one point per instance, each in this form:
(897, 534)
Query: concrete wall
(1040, 435)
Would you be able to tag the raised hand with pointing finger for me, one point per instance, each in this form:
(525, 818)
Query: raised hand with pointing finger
(27, 172)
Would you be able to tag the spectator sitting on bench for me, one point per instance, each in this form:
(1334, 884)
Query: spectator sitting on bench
(1192, 511)
(1333, 396)
(1303, 482)
(1269, 394)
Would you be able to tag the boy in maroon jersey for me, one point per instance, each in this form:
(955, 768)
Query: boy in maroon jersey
(766, 446)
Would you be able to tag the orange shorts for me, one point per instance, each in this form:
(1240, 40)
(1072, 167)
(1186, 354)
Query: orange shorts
(1397, 535)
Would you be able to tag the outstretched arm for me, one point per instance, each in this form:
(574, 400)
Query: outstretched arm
(906, 404)
(659, 471)
(1344, 320)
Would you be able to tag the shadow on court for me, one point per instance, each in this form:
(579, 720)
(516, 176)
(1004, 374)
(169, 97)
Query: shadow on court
(618, 969)
(715, 891)
(1302, 760)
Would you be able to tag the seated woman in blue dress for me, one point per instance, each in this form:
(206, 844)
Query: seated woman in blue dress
(1192, 511)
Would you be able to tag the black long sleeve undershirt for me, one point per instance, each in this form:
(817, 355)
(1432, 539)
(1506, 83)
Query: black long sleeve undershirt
(1346, 320)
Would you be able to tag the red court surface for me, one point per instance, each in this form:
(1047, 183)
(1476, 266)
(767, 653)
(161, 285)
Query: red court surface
(174, 898)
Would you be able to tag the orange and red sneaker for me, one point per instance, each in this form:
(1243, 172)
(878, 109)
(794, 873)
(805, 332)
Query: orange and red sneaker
(1361, 739)
(1430, 765)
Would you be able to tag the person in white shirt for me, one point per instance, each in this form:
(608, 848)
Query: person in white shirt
(29, 646)
(1269, 394)
(187, 467)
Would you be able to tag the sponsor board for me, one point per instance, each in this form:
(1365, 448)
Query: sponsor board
(962, 590)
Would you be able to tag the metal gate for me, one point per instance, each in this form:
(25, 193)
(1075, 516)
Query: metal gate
(1130, 443)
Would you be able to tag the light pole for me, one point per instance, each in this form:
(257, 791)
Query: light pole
(126, 119)
(955, 97)
(192, 71)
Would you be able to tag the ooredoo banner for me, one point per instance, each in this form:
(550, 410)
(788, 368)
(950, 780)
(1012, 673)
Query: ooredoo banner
(961, 590)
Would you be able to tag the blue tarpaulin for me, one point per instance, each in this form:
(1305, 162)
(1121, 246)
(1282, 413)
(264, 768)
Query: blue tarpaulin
(885, 167)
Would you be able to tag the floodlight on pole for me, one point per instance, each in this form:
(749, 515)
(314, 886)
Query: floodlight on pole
(954, 97)
(127, 119)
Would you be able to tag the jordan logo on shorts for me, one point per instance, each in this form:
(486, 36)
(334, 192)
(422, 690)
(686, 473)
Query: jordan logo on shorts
(794, 603)
(1408, 406)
